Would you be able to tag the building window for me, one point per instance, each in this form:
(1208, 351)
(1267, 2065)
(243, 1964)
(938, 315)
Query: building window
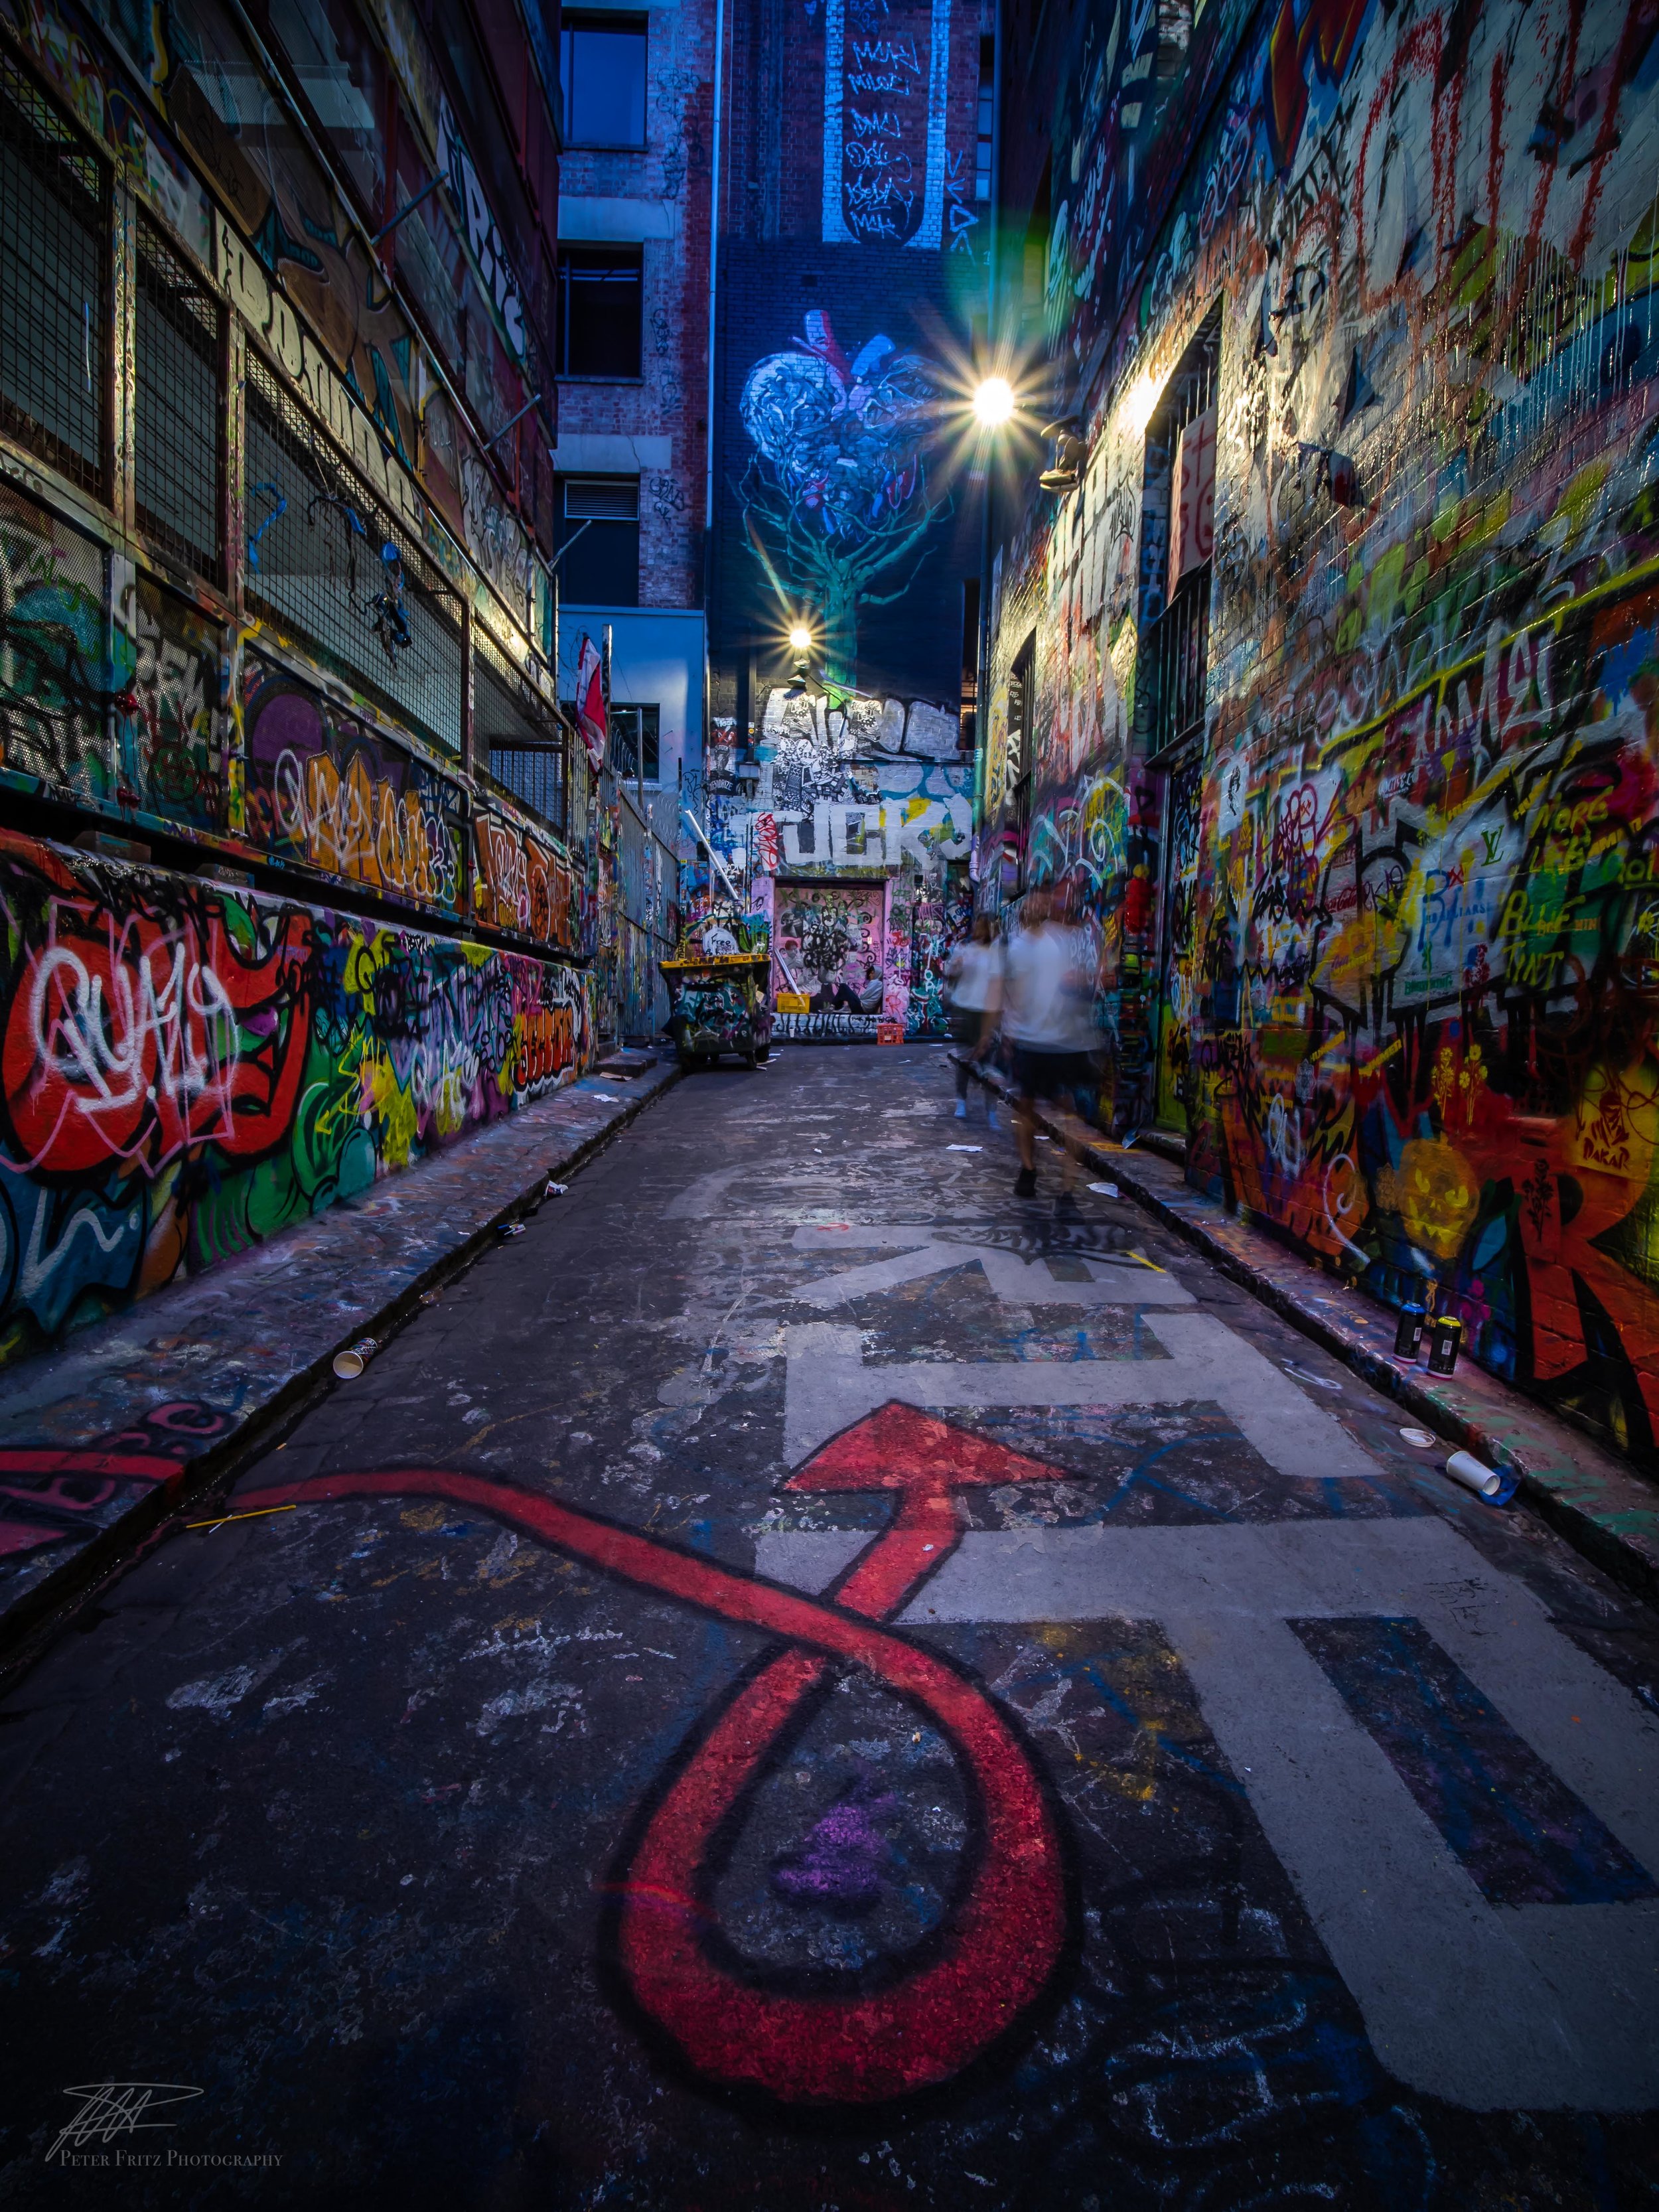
(1017, 772)
(987, 110)
(340, 72)
(428, 256)
(635, 742)
(513, 727)
(54, 286)
(178, 445)
(599, 519)
(967, 725)
(600, 292)
(1178, 513)
(603, 67)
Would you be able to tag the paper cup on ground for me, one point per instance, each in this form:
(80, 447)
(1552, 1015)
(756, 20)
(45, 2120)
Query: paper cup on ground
(1491, 1483)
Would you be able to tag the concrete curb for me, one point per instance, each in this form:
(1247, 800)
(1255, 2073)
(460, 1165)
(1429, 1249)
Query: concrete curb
(104, 1379)
(1603, 1507)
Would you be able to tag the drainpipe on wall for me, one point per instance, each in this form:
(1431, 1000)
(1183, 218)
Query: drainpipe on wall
(714, 273)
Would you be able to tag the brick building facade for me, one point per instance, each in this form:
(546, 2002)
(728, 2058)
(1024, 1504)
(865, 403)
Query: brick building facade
(852, 272)
(632, 459)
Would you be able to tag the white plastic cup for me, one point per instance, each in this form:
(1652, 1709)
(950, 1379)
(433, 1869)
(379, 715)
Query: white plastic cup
(1474, 1474)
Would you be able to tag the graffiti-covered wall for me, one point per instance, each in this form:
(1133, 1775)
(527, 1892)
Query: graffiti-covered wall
(854, 819)
(1386, 917)
(188, 1069)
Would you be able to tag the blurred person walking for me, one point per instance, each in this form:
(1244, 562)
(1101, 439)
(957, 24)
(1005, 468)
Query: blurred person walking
(973, 978)
(1048, 1018)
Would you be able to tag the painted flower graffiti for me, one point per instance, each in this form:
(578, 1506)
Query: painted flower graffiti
(836, 494)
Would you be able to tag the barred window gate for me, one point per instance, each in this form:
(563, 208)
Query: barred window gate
(1176, 647)
(517, 732)
(1179, 484)
(177, 446)
(328, 562)
(54, 286)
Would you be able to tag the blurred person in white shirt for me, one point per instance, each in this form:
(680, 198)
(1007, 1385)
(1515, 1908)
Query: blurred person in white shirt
(1047, 1018)
(973, 977)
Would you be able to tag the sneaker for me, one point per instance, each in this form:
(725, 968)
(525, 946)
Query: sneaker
(962, 1109)
(1066, 1206)
(991, 1121)
(1026, 1183)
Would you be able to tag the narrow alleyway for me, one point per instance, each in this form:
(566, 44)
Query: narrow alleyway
(805, 1681)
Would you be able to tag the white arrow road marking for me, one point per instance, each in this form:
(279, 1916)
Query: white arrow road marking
(1534, 2006)
(1113, 1281)
(829, 1386)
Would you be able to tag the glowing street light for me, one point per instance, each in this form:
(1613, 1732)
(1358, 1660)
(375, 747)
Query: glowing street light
(994, 402)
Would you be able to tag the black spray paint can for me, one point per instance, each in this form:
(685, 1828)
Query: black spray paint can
(1448, 1334)
(1408, 1332)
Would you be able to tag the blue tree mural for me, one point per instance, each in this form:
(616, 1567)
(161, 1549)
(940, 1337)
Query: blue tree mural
(835, 496)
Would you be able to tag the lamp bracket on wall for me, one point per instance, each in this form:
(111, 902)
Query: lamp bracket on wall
(1070, 454)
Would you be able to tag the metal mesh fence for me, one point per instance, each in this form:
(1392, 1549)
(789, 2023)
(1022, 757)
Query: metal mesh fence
(178, 442)
(54, 659)
(54, 284)
(328, 562)
(514, 729)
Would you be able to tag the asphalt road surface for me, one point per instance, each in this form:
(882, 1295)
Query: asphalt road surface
(805, 1681)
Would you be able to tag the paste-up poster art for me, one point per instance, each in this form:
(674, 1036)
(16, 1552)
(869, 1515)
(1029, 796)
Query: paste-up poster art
(1191, 523)
(885, 80)
(831, 938)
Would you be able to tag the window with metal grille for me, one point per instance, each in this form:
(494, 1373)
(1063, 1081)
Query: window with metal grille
(1177, 644)
(636, 742)
(1017, 768)
(986, 125)
(54, 285)
(514, 730)
(177, 446)
(327, 562)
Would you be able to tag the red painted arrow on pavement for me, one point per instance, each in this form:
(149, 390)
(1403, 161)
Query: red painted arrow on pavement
(993, 1957)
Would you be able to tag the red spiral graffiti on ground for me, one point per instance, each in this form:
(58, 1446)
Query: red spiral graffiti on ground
(993, 1958)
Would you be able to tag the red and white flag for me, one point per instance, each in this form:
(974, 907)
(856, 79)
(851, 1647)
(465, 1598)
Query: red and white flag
(590, 700)
(1192, 535)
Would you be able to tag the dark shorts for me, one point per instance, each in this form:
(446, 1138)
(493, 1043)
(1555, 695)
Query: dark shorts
(966, 1022)
(1039, 1074)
